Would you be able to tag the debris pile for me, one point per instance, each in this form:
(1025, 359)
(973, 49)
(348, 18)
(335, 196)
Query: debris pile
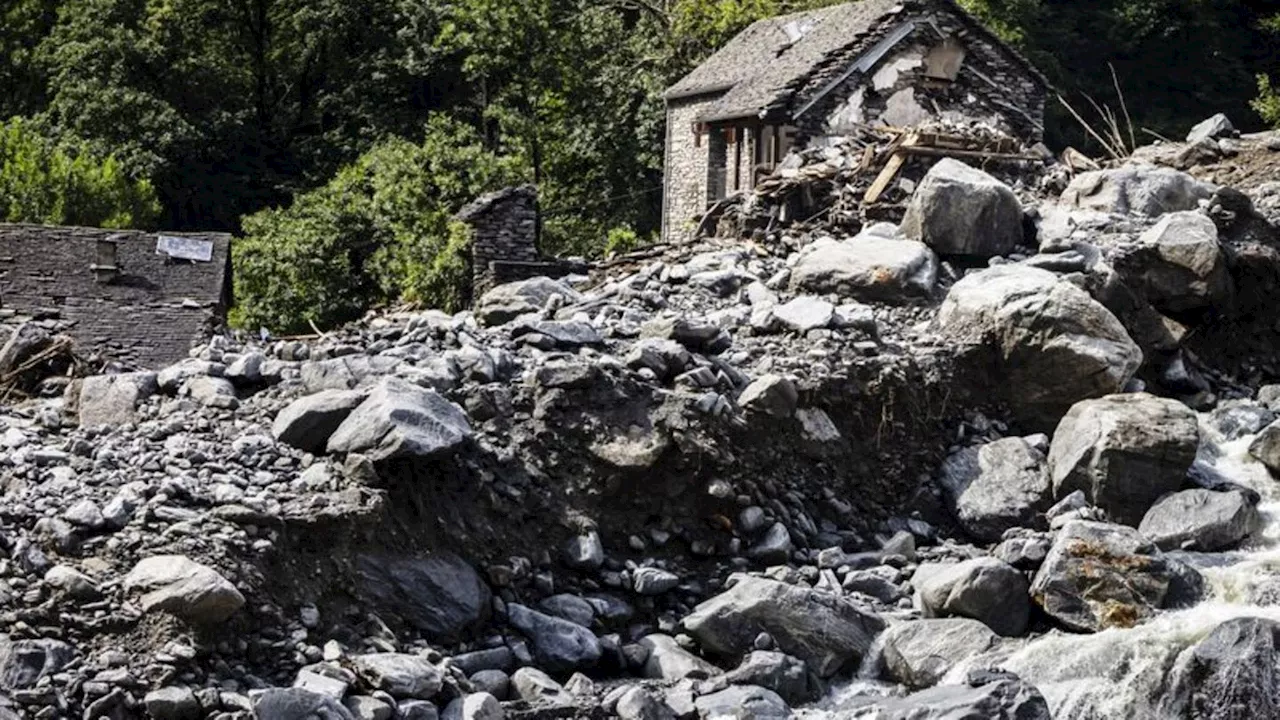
(718, 478)
(866, 176)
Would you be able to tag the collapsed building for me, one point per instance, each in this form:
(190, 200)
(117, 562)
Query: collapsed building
(812, 79)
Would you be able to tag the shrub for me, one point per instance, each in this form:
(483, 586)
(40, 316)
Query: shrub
(63, 183)
(381, 230)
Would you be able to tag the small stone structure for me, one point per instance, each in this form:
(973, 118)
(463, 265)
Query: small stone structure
(504, 240)
(141, 299)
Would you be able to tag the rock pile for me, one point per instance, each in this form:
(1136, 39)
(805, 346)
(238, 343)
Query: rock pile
(717, 480)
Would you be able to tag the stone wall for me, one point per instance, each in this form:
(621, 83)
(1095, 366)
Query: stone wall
(992, 85)
(148, 314)
(685, 175)
(504, 240)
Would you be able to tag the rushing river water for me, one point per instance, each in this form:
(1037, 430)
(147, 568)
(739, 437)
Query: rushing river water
(1125, 674)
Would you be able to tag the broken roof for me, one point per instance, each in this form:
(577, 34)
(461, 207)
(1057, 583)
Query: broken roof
(762, 65)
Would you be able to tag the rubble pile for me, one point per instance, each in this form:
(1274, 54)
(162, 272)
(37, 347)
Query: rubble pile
(866, 176)
(714, 479)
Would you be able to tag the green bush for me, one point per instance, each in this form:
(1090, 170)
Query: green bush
(381, 230)
(1267, 104)
(65, 184)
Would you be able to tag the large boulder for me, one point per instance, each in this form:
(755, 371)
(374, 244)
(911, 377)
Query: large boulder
(400, 675)
(400, 419)
(505, 303)
(1178, 263)
(1233, 674)
(869, 266)
(1099, 575)
(984, 589)
(743, 702)
(828, 632)
(918, 653)
(779, 672)
(298, 704)
(1136, 190)
(440, 595)
(1053, 344)
(113, 399)
(668, 661)
(307, 423)
(1201, 519)
(1265, 448)
(1003, 697)
(998, 486)
(960, 210)
(1123, 452)
(178, 585)
(558, 644)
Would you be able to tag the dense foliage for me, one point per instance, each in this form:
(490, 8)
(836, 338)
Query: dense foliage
(64, 183)
(304, 123)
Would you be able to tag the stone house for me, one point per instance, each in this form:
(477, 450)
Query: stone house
(505, 230)
(796, 80)
(140, 299)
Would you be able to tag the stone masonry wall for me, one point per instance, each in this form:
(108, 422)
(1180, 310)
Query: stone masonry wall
(504, 243)
(685, 198)
(991, 86)
(149, 315)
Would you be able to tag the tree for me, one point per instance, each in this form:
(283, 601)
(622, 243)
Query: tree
(380, 230)
(64, 183)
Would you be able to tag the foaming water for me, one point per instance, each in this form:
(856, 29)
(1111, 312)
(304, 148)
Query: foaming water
(1126, 674)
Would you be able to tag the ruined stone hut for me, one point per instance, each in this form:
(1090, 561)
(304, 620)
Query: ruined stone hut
(504, 240)
(799, 79)
(138, 298)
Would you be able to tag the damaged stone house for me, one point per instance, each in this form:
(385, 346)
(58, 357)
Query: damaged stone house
(796, 80)
(140, 299)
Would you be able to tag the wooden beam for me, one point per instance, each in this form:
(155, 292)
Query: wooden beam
(891, 169)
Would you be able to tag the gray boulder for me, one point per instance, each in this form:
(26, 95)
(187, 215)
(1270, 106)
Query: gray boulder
(440, 595)
(743, 702)
(175, 584)
(983, 589)
(779, 672)
(866, 267)
(918, 653)
(558, 645)
(770, 394)
(25, 664)
(1136, 190)
(668, 661)
(1004, 698)
(173, 703)
(298, 704)
(505, 303)
(473, 706)
(639, 703)
(400, 419)
(400, 675)
(960, 210)
(1266, 447)
(307, 423)
(826, 631)
(113, 399)
(1201, 520)
(533, 685)
(1099, 575)
(1123, 452)
(998, 486)
(1179, 263)
(1211, 128)
(342, 373)
(805, 313)
(1229, 675)
(1053, 345)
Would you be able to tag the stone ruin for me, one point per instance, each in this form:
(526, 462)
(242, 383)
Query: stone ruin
(505, 232)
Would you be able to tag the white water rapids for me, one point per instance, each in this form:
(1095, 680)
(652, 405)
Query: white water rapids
(1122, 674)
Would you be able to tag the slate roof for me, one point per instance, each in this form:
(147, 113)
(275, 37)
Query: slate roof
(762, 65)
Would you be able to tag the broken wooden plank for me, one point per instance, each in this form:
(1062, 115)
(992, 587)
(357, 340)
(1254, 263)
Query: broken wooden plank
(891, 168)
(971, 154)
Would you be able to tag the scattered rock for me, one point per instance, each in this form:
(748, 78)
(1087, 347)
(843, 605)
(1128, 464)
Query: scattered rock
(960, 210)
(308, 422)
(399, 419)
(1201, 520)
(998, 486)
(558, 644)
(178, 585)
(984, 589)
(400, 675)
(917, 654)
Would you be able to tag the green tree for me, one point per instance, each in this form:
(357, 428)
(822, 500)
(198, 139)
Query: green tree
(381, 230)
(64, 183)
